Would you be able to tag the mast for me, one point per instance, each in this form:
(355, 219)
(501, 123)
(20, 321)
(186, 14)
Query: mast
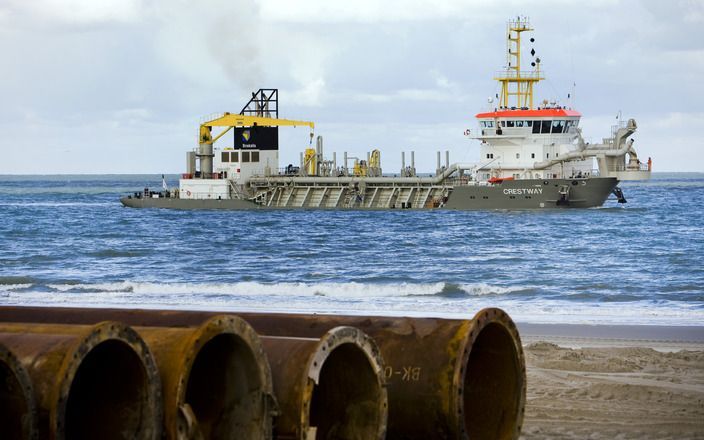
(514, 81)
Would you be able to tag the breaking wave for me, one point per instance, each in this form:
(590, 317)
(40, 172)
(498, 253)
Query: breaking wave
(298, 289)
(403, 299)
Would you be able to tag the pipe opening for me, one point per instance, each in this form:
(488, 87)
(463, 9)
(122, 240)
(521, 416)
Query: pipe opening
(492, 385)
(346, 403)
(225, 391)
(15, 407)
(109, 395)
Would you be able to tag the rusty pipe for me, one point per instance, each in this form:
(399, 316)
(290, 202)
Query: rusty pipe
(458, 379)
(18, 408)
(216, 378)
(328, 388)
(217, 381)
(101, 382)
(446, 378)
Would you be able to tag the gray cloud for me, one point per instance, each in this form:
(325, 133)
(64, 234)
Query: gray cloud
(134, 77)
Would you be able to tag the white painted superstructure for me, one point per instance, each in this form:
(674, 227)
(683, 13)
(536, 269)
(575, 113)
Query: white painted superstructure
(519, 141)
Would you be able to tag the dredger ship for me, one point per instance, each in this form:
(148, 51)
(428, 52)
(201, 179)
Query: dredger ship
(530, 158)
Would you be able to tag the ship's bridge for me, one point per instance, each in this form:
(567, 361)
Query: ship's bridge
(506, 122)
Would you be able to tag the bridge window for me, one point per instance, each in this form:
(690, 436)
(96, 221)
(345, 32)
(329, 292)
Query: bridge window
(225, 156)
(529, 123)
(546, 127)
(235, 156)
(255, 156)
(509, 123)
(536, 127)
(245, 156)
(519, 123)
(557, 126)
(503, 123)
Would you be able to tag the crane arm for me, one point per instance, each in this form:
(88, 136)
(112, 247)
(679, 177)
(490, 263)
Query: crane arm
(232, 120)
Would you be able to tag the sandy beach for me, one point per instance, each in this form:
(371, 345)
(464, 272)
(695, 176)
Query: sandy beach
(614, 382)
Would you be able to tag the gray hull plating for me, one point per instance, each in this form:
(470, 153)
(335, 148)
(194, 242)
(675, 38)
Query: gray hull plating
(509, 194)
(174, 203)
(533, 194)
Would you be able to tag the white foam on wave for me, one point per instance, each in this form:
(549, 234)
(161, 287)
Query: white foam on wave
(635, 312)
(481, 289)
(414, 299)
(300, 289)
(248, 288)
(123, 286)
(10, 287)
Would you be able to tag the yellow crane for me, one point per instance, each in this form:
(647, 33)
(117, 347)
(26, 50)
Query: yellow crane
(230, 120)
(257, 112)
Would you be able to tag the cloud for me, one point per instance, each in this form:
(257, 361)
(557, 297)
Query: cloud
(399, 11)
(406, 95)
(133, 114)
(75, 13)
(217, 46)
(312, 94)
(390, 74)
(230, 47)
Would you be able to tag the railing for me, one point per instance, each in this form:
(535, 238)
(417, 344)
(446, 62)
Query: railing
(459, 181)
(290, 170)
(199, 175)
(639, 167)
(620, 124)
(512, 74)
(211, 117)
(148, 194)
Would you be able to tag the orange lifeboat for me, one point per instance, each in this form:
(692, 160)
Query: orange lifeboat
(495, 180)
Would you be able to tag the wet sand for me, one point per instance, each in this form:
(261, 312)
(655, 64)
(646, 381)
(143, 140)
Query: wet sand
(614, 382)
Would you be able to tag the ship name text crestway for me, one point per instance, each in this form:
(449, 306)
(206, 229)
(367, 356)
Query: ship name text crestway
(521, 191)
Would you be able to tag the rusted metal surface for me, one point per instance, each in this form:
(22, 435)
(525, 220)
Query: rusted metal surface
(446, 378)
(18, 408)
(96, 382)
(328, 388)
(453, 379)
(217, 381)
(216, 378)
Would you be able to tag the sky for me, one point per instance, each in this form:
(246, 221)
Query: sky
(120, 86)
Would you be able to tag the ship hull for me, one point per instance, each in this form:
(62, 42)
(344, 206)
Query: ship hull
(533, 194)
(174, 203)
(509, 194)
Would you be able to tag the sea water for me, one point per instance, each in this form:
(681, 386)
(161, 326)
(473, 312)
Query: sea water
(66, 240)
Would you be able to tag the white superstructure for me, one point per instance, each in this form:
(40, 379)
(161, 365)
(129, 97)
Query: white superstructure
(519, 141)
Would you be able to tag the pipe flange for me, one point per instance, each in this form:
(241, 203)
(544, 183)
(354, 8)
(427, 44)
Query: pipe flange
(82, 347)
